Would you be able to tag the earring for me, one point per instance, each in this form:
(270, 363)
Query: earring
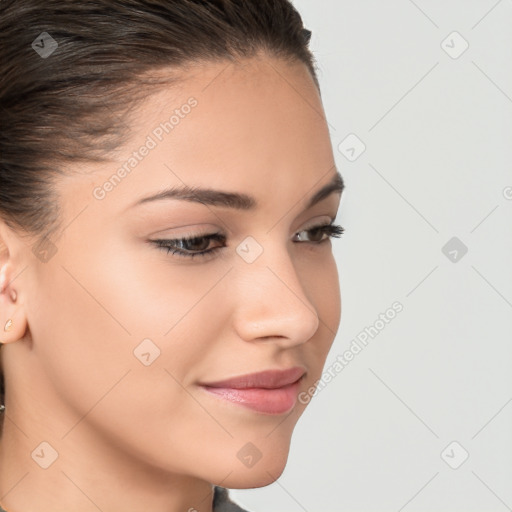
(8, 325)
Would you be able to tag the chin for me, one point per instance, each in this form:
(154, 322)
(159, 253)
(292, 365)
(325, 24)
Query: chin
(251, 480)
(263, 473)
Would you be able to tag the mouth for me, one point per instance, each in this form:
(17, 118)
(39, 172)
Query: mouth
(267, 392)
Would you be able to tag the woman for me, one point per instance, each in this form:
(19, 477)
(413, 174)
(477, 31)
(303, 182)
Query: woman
(168, 287)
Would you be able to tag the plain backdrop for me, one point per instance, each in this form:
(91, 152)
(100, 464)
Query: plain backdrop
(421, 418)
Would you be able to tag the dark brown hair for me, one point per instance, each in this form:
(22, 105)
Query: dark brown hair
(71, 72)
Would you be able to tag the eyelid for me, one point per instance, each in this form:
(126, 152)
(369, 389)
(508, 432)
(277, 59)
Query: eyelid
(216, 231)
(192, 230)
(329, 229)
(316, 221)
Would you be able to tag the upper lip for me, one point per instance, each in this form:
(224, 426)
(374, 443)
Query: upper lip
(268, 379)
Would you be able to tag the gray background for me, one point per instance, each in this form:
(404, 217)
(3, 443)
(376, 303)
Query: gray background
(437, 164)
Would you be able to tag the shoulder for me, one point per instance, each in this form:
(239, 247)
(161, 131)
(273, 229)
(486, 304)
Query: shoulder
(222, 502)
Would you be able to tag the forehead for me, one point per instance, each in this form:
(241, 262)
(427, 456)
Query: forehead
(236, 96)
(241, 126)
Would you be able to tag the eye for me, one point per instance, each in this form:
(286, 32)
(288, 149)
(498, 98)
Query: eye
(199, 245)
(190, 247)
(325, 232)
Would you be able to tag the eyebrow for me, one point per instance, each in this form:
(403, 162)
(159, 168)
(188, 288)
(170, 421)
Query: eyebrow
(235, 200)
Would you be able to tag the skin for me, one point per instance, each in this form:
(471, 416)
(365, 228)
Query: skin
(133, 437)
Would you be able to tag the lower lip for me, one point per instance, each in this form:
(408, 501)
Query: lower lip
(267, 401)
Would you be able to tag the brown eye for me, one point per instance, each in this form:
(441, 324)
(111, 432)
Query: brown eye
(195, 244)
(316, 234)
(191, 247)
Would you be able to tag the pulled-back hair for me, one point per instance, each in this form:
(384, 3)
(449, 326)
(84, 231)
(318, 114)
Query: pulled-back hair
(72, 71)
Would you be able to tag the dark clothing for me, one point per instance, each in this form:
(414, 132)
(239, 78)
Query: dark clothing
(222, 501)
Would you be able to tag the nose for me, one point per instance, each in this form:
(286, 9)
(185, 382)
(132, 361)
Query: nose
(271, 302)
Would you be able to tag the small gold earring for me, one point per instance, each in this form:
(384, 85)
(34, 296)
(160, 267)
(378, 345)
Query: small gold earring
(8, 325)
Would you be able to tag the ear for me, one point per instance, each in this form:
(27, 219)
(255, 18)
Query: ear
(13, 321)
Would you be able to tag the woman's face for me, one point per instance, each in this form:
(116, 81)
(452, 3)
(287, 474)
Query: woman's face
(123, 332)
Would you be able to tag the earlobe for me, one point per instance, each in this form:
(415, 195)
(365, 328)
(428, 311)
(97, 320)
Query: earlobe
(11, 324)
(12, 327)
(7, 328)
(8, 325)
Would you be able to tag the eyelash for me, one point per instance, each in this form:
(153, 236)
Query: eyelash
(331, 230)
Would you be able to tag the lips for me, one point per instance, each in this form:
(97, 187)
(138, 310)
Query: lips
(268, 379)
(267, 392)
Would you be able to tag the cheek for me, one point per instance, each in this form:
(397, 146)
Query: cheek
(88, 323)
(331, 299)
(151, 292)
(94, 319)
(321, 283)
(79, 344)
